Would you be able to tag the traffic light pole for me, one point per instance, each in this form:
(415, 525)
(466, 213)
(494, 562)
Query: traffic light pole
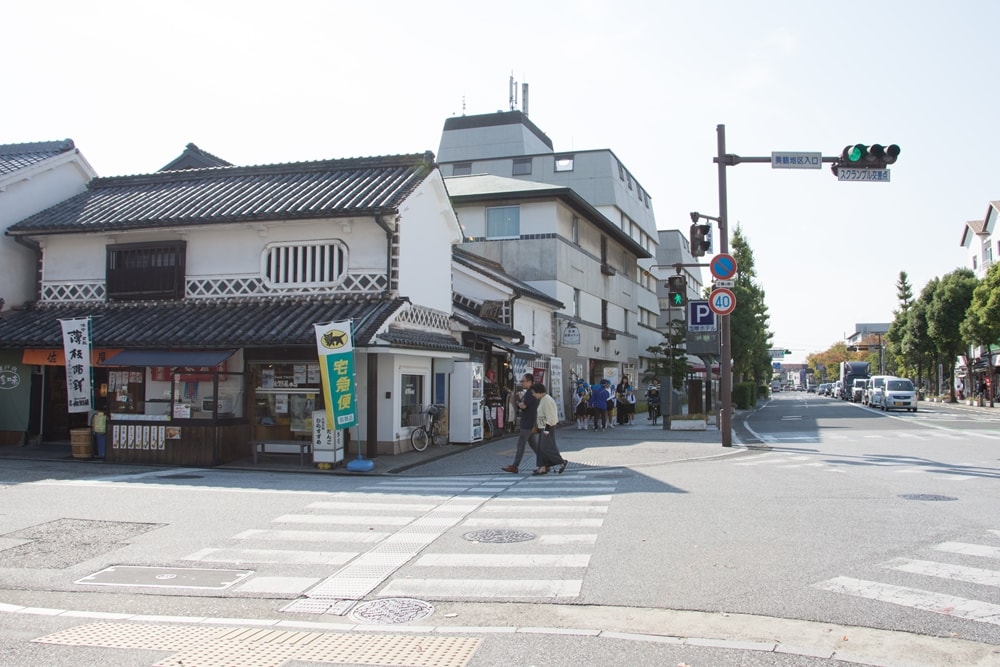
(725, 345)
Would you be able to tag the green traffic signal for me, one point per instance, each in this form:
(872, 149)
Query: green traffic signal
(678, 299)
(855, 153)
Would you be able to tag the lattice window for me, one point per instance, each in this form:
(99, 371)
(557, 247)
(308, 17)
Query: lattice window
(320, 264)
(73, 292)
(426, 317)
(213, 287)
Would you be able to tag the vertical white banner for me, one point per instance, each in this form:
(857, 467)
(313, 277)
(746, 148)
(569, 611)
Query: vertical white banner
(556, 386)
(79, 381)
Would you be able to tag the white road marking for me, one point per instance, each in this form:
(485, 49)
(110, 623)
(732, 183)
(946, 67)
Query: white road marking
(969, 549)
(503, 560)
(434, 589)
(972, 575)
(938, 603)
(283, 556)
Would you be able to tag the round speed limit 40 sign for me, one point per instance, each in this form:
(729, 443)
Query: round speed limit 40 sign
(722, 301)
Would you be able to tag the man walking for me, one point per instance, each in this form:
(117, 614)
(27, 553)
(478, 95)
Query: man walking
(528, 405)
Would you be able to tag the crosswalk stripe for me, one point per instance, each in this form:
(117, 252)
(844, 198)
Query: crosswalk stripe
(345, 520)
(500, 522)
(972, 575)
(281, 556)
(497, 508)
(310, 536)
(938, 603)
(433, 589)
(374, 507)
(503, 560)
(969, 549)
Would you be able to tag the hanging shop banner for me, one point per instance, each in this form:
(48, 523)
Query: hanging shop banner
(76, 348)
(336, 357)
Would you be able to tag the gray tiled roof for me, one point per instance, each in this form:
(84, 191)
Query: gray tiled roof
(194, 158)
(322, 189)
(482, 325)
(202, 324)
(425, 340)
(19, 156)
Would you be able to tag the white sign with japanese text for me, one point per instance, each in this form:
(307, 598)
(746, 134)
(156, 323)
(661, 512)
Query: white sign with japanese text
(76, 346)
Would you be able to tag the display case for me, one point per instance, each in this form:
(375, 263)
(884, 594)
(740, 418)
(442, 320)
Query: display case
(465, 413)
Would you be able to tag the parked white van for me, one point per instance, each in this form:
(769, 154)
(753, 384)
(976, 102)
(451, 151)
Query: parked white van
(899, 393)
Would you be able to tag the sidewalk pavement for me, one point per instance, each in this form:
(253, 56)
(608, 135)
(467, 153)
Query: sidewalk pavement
(633, 445)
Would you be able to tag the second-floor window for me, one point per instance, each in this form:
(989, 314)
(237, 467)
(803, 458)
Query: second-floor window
(522, 166)
(296, 264)
(503, 222)
(146, 271)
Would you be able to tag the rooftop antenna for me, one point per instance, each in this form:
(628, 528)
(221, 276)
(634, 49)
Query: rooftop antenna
(524, 98)
(512, 92)
(463, 105)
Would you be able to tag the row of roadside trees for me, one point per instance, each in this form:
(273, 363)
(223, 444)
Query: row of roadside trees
(953, 314)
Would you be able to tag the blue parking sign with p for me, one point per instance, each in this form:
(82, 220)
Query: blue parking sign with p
(700, 316)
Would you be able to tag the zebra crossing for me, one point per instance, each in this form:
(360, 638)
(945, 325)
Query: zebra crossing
(351, 545)
(837, 464)
(984, 579)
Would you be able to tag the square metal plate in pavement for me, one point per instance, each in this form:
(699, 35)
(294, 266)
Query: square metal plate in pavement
(165, 577)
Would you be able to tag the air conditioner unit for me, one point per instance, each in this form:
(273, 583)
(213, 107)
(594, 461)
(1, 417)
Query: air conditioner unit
(609, 335)
(607, 269)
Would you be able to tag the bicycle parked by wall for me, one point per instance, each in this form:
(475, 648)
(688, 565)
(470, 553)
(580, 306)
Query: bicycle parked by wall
(434, 430)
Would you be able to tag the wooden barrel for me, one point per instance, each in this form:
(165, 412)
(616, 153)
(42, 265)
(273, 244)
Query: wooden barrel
(82, 442)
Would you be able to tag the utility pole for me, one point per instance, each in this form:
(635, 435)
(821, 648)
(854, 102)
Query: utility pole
(857, 162)
(725, 344)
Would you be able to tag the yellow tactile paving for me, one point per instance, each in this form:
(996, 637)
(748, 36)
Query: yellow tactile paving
(198, 646)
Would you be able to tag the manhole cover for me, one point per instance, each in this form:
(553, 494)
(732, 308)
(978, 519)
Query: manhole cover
(925, 496)
(499, 536)
(180, 475)
(392, 610)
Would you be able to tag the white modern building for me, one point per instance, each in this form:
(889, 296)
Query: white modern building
(575, 224)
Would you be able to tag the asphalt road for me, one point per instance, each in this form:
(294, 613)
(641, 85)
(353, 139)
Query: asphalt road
(839, 536)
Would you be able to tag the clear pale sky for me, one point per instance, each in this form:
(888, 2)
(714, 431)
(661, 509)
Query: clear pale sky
(262, 82)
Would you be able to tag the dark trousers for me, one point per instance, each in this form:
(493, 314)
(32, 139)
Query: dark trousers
(525, 436)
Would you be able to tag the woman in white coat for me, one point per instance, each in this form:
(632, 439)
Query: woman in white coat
(547, 455)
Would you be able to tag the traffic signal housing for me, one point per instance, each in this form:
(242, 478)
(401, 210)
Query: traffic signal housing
(677, 289)
(701, 239)
(860, 156)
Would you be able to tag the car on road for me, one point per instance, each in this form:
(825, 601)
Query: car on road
(899, 393)
(873, 390)
(858, 390)
(838, 389)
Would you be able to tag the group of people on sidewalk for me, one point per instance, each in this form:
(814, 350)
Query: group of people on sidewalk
(536, 428)
(601, 406)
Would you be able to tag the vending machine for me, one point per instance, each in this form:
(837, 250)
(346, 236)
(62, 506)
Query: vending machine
(465, 414)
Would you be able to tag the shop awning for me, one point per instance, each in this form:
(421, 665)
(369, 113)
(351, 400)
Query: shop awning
(169, 358)
(513, 348)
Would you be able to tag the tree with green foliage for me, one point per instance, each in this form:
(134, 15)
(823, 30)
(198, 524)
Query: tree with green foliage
(669, 357)
(751, 341)
(894, 358)
(981, 325)
(916, 346)
(946, 313)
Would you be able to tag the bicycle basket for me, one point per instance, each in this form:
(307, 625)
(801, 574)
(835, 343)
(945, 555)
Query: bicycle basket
(433, 410)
